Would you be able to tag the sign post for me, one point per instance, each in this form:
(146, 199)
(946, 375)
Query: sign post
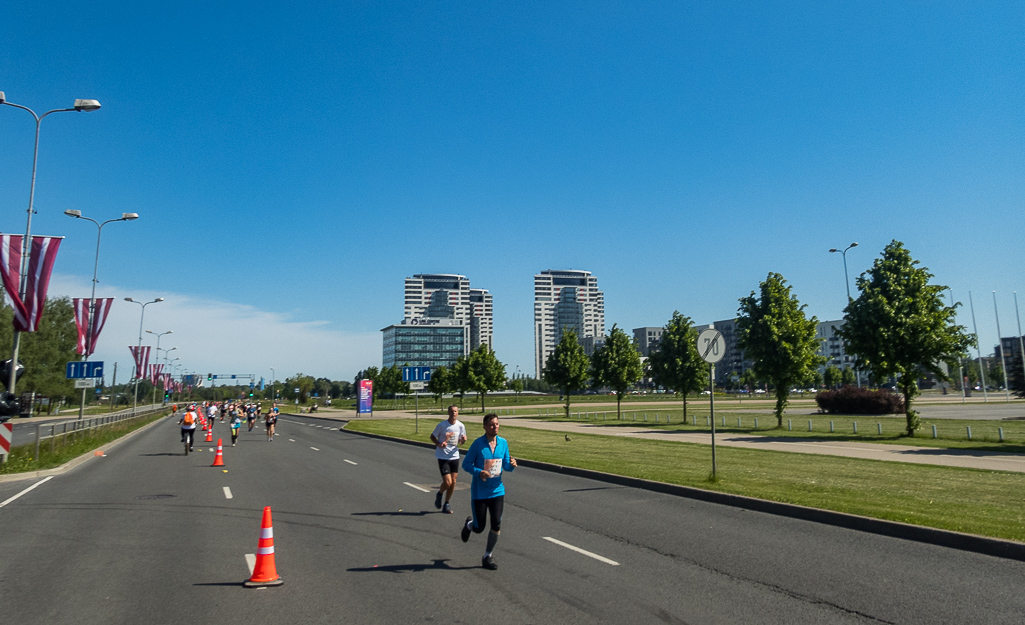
(416, 376)
(712, 347)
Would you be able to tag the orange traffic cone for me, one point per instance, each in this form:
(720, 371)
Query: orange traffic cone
(219, 456)
(209, 436)
(265, 573)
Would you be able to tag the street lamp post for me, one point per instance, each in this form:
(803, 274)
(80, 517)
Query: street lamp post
(91, 326)
(26, 244)
(857, 374)
(138, 374)
(273, 395)
(154, 401)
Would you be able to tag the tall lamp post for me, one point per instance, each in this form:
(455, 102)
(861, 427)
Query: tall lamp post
(273, 395)
(90, 328)
(158, 335)
(138, 374)
(833, 250)
(26, 244)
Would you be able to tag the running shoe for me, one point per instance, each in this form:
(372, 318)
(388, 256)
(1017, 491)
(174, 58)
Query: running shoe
(447, 509)
(489, 563)
(465, 534)
(437, 500)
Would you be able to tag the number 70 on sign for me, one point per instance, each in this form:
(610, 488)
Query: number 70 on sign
(711, 345)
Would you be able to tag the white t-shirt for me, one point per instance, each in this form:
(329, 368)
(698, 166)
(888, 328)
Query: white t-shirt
(450, 433)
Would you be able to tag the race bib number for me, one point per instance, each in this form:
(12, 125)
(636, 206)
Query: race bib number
(493, 467)
(451, 438)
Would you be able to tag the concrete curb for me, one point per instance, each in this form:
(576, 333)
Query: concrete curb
(74, 462)
(945, 538)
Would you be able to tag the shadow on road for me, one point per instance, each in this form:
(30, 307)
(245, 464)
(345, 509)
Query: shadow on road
(399, 513)
(437, 565)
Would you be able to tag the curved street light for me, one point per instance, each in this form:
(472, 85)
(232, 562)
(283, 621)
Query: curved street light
(26, 244)
(138, 374)
(857, 374)
(91, 328)
(158, 335)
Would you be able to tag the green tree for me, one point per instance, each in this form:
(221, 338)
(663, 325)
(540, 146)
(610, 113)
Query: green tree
(516, 386)
(299, 381)
(460, 379)
(675, 363)
(484, 373)
(775, 334)
(749, 379)
(389, 381)
(833, 377)
(899, 325)
(847, 377)
(440, 382)
(616, 365)
(567, 366)
(995, 374)
(46, 352)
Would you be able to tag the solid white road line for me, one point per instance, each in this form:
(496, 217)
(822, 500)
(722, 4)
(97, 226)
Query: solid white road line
(422, 490)
(39, 483)
(350, 462)
(579, 550)
(227, 493)
(314, 449)
(251, 562)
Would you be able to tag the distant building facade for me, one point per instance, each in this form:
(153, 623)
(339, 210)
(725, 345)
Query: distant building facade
(566, 299)
(426, 342)
(647, 339)
(449, 296)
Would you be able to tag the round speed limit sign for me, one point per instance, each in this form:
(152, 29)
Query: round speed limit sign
(711, 345)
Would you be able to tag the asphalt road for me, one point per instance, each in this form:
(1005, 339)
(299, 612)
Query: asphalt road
(149, 535)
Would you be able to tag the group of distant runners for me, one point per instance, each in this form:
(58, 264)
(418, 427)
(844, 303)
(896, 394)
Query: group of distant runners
(234, 412)
(486, 461)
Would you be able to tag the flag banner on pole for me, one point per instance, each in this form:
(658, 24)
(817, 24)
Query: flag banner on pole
(29, 311)
(155, 371)
(141, 356)
(93, 320)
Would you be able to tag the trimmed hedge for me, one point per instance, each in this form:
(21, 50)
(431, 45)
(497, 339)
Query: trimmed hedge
(854, 400)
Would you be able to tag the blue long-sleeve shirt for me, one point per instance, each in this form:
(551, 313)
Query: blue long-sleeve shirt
(477, 458)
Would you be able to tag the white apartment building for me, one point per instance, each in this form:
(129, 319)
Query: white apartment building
(566, 299)
(449, 296)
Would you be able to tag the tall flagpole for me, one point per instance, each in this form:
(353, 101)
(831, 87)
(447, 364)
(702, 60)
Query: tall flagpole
(978, 351)
(1000, 341)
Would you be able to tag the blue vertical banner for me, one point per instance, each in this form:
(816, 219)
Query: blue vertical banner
(366, 396)
(261, 384)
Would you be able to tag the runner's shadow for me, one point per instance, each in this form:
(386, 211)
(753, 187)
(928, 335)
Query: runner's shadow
(437, 565)
(398, 513)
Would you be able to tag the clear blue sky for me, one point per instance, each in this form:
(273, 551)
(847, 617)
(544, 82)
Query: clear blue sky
(292, 164)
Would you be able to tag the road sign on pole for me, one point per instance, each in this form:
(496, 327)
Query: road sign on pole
(78, 369)
(416, 374)
(711, 345)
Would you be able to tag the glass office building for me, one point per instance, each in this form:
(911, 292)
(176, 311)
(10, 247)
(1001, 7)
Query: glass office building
(426, 342)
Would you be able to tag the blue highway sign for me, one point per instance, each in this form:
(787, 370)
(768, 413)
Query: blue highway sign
(78, 370)
(416, 374)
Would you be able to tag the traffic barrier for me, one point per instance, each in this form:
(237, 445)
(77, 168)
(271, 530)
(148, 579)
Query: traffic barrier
(265, 573)
(219, 456)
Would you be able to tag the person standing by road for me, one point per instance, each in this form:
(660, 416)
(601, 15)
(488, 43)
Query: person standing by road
(447, 436)
(486, 460)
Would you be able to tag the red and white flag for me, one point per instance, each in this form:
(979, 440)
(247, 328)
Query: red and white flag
(29, 311)
(154, 373)
(141, 356)
(90, 323)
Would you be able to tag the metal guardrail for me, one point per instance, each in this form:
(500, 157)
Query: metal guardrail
(75, 428)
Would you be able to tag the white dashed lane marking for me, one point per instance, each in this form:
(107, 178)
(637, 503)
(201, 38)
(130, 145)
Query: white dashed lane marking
(350, 462)
(291, 440)
(314, 449)
(422, 490)
(227, 493)
(39, 483)
(581, 551)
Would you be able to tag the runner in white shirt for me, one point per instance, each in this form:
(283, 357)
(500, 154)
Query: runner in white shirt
(447, 437)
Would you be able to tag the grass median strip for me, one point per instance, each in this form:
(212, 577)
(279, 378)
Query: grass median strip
(70, 445)
(987, 503)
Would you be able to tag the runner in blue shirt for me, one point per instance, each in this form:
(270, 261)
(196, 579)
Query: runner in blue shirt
(486, 461)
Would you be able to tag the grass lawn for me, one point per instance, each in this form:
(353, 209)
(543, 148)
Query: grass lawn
(987, 503)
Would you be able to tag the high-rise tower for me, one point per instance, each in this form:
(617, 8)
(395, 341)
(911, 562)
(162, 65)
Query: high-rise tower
(566, 299)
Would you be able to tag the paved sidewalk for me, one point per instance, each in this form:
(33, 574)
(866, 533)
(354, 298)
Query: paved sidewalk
(967, 458)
